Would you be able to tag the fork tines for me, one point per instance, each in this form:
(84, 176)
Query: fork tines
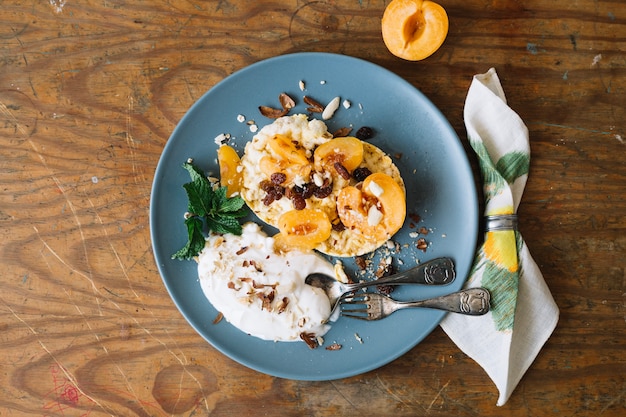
(356, 300)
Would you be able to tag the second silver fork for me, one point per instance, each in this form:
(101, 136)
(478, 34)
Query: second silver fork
(374, 306)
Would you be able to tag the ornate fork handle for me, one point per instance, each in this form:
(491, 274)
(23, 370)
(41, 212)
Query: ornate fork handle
(439, 271)
(473, 302)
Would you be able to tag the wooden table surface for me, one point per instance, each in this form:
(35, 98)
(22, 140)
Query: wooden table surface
(90, 92)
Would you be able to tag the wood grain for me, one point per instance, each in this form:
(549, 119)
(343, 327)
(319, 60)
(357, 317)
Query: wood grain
(89, 94)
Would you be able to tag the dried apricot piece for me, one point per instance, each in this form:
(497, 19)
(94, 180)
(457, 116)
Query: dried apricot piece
(230, 172)
(414, 29)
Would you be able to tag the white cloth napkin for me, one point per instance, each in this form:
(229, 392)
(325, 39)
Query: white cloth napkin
(523, 313)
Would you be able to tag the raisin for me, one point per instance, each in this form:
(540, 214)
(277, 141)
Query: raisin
(306, 190)
(273, 192)
(364, 133)
(266, 185)
(338, 227)
(361, 173)
(278, 178)
(323, 192)
(268, 199)
(299, 203)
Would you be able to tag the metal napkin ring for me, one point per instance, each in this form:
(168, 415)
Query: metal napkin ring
(501, 222)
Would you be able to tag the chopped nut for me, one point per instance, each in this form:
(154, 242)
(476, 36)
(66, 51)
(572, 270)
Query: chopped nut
(242, 250)
(423, 230)
(384, 269)
(341, 170)
(282, 305)
(272, 113)
(266, 300)
(342, 132)
(422, 244)
(361, 263)
(286, 101)
(309, 339)
(256, 266)
(314, 105)
(218, 318)
(334, 346)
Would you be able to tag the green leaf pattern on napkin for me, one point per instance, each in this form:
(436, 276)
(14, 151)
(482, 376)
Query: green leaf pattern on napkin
(498, 279)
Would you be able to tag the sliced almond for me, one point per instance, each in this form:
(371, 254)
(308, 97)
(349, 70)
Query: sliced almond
(331, 108)
(272, 113)
(286, 101)
(342, 132)
(314, 105)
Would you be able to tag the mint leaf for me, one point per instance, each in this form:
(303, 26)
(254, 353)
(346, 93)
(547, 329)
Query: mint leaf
(224, 225)
(199, 194)
(194, 172)
(210, 207)
(196, 240)
(232, 205)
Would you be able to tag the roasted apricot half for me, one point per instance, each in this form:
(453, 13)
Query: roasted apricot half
(414, 29)
(283, 147)
(230, 173)
(270, 165)
(377, 209)
(347, 151)
(302, 230)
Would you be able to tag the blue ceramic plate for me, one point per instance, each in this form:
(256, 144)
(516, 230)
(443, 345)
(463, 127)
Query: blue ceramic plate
(435, 168)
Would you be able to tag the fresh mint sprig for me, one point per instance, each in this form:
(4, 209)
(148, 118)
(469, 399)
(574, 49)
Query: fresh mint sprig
(210, 207)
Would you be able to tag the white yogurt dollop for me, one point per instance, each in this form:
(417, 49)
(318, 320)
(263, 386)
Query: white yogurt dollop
(260, 291)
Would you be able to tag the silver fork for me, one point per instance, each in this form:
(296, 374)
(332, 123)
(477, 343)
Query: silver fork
(374, 306)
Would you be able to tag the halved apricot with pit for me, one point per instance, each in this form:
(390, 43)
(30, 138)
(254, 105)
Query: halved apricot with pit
(302, 229)
(230, 171)
(347, 151)
(414, 29)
